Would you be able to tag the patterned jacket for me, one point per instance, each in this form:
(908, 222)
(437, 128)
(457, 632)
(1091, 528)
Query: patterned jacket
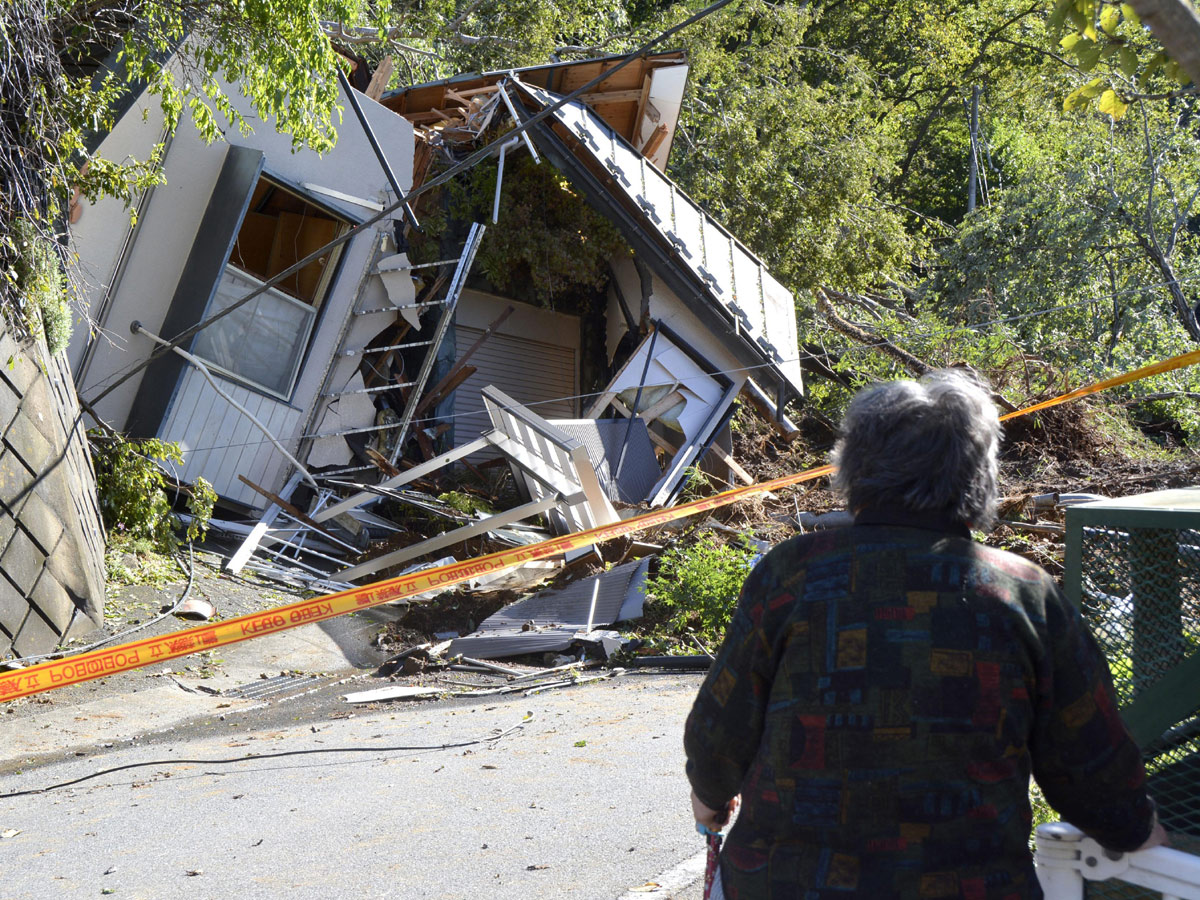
(881, 698)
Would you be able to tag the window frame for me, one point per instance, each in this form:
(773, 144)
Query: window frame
(324, 290)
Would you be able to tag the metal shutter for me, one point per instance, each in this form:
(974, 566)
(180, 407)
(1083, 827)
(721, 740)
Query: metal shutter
(534, 373)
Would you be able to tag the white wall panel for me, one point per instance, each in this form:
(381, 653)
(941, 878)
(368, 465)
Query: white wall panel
(220, 443)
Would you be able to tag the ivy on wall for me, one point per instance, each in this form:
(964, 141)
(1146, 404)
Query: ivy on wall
(39, 285)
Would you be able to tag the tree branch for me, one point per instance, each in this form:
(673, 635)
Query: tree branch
(881, 344)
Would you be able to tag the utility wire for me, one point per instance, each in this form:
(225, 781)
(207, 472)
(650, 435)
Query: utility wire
(749, 370)
(259, 757)
(467, 163)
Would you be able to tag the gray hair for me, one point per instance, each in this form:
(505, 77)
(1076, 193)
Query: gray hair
(927, 446)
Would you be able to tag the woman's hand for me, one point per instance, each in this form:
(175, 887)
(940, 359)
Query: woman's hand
(1158, 835)
(711, 819)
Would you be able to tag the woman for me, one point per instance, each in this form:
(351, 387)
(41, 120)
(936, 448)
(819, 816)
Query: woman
(885, 691)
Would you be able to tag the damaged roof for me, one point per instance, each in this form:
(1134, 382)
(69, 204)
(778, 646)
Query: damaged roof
(640, 101)
(719, 278)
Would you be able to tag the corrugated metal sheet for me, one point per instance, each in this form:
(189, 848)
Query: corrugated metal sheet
(550, 620)
(734, 277)
(608, 448)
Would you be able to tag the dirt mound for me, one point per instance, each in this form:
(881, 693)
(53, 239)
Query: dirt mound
(1065, 433)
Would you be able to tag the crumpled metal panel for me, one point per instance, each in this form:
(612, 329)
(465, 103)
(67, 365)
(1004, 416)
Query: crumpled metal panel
(627, 469)
(734, 277)
(550, 620)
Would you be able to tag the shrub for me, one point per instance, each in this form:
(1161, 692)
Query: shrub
(700, 584)
(133, 494)
(39, 282)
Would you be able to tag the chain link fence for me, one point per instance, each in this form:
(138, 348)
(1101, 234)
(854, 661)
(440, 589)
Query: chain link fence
(1133, 566)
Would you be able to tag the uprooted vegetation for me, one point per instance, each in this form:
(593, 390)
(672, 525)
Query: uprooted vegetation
(1085, 447)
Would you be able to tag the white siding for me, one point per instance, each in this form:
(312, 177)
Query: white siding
(220, 443)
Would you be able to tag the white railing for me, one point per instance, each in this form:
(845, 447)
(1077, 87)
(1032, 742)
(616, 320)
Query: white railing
(1066, 858)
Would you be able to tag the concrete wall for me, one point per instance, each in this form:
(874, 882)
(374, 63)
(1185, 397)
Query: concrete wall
(51, 536)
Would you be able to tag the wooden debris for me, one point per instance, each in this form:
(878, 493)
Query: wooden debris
(291, 510)
(381, 77)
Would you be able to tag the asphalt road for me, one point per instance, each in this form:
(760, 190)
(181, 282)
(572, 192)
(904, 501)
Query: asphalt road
(584, 799)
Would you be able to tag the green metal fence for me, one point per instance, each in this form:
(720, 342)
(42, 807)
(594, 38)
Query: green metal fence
(1133, 568)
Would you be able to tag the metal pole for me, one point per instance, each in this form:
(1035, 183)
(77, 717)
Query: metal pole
(973, 162)
(384, 164)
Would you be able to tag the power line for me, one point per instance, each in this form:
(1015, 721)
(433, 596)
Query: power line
(746, 370)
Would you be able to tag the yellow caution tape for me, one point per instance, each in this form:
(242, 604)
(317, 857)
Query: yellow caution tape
(1158, 368)
(124, 657)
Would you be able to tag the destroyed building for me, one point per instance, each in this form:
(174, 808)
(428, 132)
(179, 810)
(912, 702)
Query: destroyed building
(384, 341)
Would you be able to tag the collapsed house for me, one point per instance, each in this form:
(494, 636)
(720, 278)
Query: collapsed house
(384, 342)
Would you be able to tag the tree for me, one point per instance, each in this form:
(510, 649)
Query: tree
(69, 65)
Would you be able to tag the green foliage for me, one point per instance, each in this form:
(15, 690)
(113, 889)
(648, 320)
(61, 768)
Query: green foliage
(37, 280)
(200, 502)
(696, 484)
(781, 141)
(467, 504)
(549, 244)
(700, 584)
(133, 492)
(129, 561)
(1117, 57)
(1088, 259)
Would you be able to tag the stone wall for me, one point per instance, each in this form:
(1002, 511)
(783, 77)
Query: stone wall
(51, 536)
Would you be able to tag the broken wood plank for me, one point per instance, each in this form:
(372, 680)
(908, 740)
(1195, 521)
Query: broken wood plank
(1035, 527)
(459, 115)
(294, 511)
(597, 97)
(433, 398)
(601, 401)
(442, 386)
(654, 141)
(719, 452)
(471, 92)
(380, 462)
(672, 397)
(380, 78)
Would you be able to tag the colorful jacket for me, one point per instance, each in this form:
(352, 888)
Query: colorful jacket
(881, 698)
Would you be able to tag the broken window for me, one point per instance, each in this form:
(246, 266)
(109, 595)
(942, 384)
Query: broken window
(263, 342)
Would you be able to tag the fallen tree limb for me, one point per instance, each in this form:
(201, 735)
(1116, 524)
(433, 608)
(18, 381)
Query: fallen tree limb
(874, 341)
(1162, 395)
(882, 344)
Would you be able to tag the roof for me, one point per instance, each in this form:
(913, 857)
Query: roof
(721, 281)
(640, 102)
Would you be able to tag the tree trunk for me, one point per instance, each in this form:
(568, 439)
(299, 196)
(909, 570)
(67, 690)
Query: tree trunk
(1182, 308)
